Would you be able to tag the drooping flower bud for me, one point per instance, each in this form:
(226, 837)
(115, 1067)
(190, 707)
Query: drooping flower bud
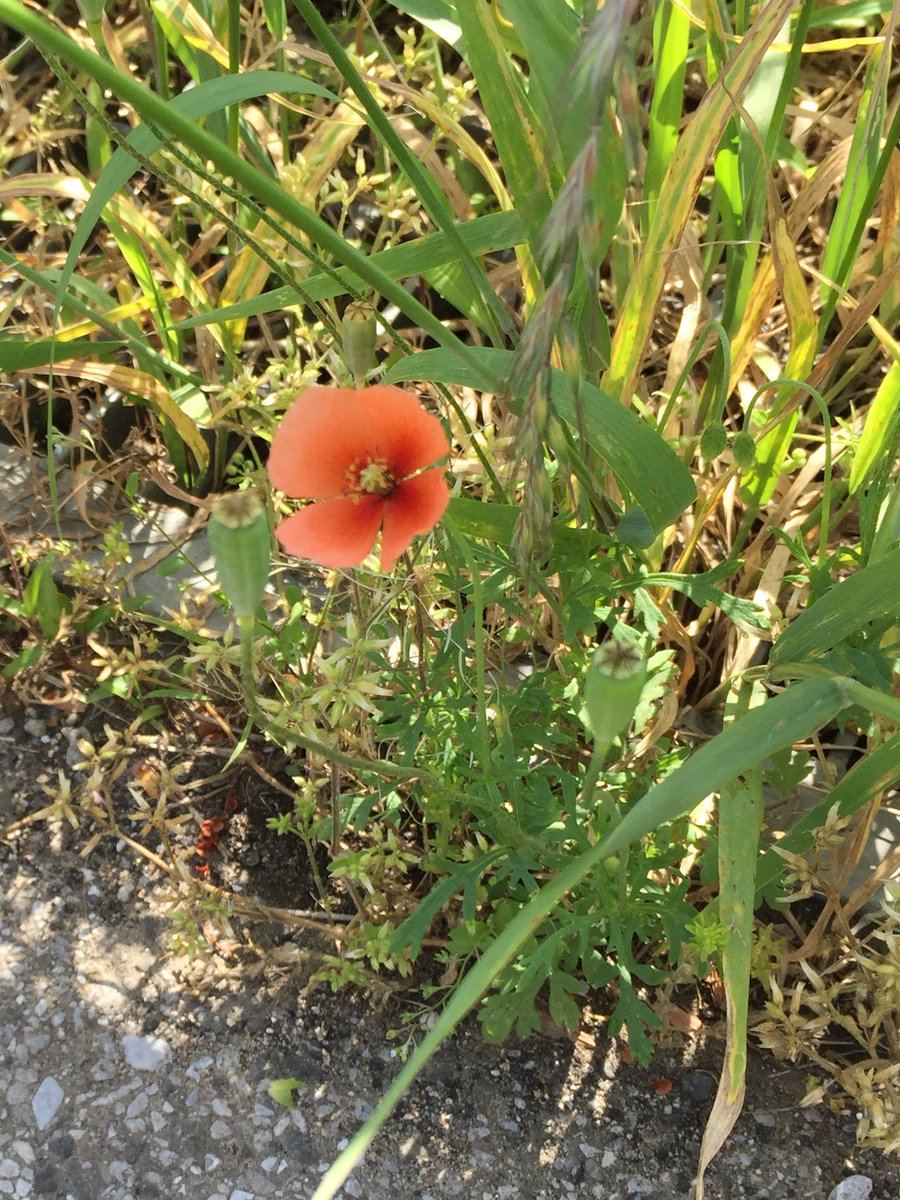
(358, 339)
(713, 440)
(241, 545)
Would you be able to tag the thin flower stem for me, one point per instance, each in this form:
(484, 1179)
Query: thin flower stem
(591, 778)
(478, 636)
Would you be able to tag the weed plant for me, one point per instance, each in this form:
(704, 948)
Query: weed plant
(644, 267)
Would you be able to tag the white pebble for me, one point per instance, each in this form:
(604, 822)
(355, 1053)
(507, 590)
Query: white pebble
(145, 1053)
(854, 1187)
(46, 1101)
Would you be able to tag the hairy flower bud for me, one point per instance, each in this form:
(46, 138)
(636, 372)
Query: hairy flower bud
(744, 450)
(713, 440)
(358, 339)
(241, 545)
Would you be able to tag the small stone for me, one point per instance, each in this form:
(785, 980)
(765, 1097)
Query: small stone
(138, 1105)
(47, 1180)
(7, 724)
(46, 1101)
(24, 1151)
(352, 1187)
(35, 727)
(763, 1117)
(219, 1131)
(240, 1194)
(9, 1168)
(145, 1053)
(854, 1187)
(62, 1146)
(697, 1086)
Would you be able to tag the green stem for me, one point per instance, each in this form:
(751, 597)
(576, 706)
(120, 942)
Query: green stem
(459, 540)
(234, 110)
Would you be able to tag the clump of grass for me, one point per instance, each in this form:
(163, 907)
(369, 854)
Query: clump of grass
(644, 270)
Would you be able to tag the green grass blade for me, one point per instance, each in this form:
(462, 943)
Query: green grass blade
(872, 594)
(433, 200)
(876, 443)
(687, 168)
(495, 231)
(780, 722)
(194, 105)
(19, 354)
(93, 309)
(642, 461)
(862, 165)
(523, 150)
(740, 822)
(671, 39)
(549, 36)
(437, 15)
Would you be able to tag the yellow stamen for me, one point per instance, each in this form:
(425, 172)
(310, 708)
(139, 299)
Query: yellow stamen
(370, 478)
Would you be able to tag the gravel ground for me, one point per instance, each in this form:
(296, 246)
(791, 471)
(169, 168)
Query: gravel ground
(129, 1074)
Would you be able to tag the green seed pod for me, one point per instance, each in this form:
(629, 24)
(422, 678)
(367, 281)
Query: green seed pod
(358, 339)
(241, 545)
(612, 689)
(744, 450)
(713, 440)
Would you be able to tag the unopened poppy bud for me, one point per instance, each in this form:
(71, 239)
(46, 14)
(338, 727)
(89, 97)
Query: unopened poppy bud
(612, 689)
(358, 338)
(241, 545)
(713, 440)
(744, 450)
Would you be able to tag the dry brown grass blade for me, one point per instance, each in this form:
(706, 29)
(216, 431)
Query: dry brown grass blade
(765, 285)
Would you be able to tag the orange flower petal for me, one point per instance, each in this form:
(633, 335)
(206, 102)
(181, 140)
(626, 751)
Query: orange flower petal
(407, 436)
(333, 533)
(320, 435)
(415, 507)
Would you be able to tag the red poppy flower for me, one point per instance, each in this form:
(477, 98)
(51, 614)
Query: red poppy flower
(361, 455)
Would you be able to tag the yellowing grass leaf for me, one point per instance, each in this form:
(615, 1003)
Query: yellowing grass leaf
(57, 187)
(185, 24)
(801, 318)
(248, 274)
(173, 263)
(137, 383)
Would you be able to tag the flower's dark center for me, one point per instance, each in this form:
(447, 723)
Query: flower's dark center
(369, 477)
